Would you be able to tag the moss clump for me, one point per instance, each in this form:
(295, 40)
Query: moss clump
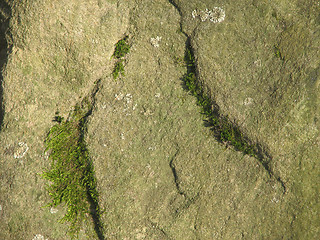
(278, 53)
(118, 68)
(121, 49)
(72, 174)
(224, 130)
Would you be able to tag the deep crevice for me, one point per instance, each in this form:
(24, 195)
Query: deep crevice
(95, 209)
(5, 49)
(71, 159)
(175, 175)
(225, 131)
(188, 200)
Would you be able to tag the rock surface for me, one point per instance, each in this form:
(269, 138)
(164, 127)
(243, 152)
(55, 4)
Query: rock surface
(161, 173)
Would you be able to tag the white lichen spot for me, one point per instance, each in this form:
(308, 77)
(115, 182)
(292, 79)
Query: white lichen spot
(46, 155)
(127, 103)
(194, 13)
(118, 96)
(216, 15)
(204, 15)
(128, 98)
(147, 112)
(149, 172)
(39, 237)
(151, 148)
(21, 150)
(53, 210)
(157, 95)
(104, 106)
(155, 41)
(257, 63)
(122, 136)
(248, 101)
(274, 200)
(134, 107)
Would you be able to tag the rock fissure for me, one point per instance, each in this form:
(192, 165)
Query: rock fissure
(225, 131)
(72, 170)
(95, 209)
(175, 175)
(5, 14)
(258, 63)
(188, 200)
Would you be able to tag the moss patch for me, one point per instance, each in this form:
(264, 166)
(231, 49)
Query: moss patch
(118, 68)
(224, 130)
(72, 173)
(121, 49)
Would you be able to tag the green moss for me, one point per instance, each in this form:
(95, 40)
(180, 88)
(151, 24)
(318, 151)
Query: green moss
(224, 130)
(121, 49)
(278, 53)
(72, 174)
(118, 68)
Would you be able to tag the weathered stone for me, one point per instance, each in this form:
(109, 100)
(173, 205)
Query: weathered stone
(161, 174)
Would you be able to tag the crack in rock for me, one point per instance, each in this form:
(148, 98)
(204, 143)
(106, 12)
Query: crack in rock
(94, 207)
(188, 200)
(5, 49)
(175, 175)
(262, 156)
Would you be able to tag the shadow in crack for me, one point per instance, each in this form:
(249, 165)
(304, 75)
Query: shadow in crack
(95, 214)
(5, 13)
(225, 130)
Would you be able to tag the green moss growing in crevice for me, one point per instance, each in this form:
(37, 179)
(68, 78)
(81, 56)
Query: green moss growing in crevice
(122, 48)
(224, 130)
(118, 68)
(72, 173)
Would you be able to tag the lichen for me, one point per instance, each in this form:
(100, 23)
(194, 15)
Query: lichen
(21, 150)
(155, 41)
(216, 15)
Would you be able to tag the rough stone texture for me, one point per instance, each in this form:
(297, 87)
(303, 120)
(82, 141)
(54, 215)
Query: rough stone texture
(59, 48)
(273, 99)
(161, 174)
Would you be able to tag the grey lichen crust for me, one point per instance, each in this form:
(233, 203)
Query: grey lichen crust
(216, 15)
